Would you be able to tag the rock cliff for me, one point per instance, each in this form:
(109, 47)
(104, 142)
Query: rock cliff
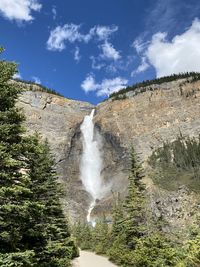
(143, 120)
(58, 119)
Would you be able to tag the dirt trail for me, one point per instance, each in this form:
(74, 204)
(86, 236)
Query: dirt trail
(89, 259)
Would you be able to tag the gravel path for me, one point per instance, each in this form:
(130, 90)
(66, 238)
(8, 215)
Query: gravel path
(90, 259)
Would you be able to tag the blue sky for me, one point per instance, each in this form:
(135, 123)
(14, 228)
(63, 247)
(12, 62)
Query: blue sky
(89, 49)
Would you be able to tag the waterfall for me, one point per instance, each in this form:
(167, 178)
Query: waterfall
(91, 162)
(91, 207)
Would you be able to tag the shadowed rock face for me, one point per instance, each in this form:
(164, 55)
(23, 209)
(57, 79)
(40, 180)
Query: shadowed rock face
(144, 121)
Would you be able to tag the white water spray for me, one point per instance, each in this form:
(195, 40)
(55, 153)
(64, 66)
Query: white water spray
(91, 163)
(91, 207)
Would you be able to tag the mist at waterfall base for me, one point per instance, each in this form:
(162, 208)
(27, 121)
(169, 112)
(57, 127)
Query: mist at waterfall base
(91, 163)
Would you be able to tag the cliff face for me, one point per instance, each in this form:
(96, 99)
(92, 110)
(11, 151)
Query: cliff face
(149, 118)
(144, 120)
(58, 119)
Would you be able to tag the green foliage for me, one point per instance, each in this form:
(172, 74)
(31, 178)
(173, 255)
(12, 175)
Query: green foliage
(14, 190)
(33, 228)
(118, 251)
(100, 236)
(177, 163)
(154, 251)
(92, 238)
(195, 76)
(82, 233)
(132, 244)
(117, 218)
(17, 259)
(133, 207)
(47, 230)
(191, 250)
(129, 217)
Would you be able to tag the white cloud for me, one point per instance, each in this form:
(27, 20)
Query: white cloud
(104, 32)
(96, 64)
(89, 84)
(139, 45)
(71, 33)
(181, 54)
(68, 33)
(77, 55)
(19, 10)
(17, 76)
(106, 87)
(113, 68)
(54, 12)
(142, 67)
(36, 80)
(109, 52)
(109, 86)
(58, 36)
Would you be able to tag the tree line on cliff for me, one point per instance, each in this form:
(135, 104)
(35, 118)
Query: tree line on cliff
(135, 238)
(39, 87)
(147, 84)
(33, 229)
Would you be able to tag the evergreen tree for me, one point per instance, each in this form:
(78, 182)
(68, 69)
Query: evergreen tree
(134, 220)
(14, 185)
(117, 218)
(101, 236)
(154, 250)
(132, 244)
(48, 232)
(129, 217)
(33, 228)
(83, 233)
(191, 250)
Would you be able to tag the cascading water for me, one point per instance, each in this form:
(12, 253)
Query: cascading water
(91, 162)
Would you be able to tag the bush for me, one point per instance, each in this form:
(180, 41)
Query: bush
(20, 259)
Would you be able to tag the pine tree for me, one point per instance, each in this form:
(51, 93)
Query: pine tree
(132, 245)
(129, 218)
(14, 185)
(33, 228)
(83, 234)
(117, 218)
(48, 232)
(134, 204)
(101, 236)
(191, 250)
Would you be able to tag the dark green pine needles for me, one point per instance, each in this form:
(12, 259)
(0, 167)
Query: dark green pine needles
(33, 229)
